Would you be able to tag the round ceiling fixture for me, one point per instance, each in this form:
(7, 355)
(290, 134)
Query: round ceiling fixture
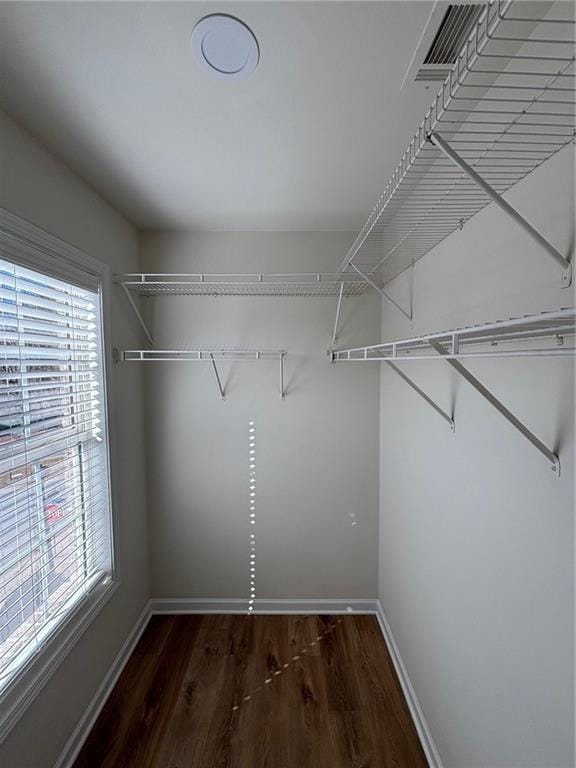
(225, 46)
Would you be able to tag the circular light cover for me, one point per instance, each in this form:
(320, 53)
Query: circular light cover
(225, 46)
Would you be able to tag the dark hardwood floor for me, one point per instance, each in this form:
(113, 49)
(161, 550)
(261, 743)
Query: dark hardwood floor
(232, 691)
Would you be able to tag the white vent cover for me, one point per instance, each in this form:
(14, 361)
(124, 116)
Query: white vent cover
(457, 23)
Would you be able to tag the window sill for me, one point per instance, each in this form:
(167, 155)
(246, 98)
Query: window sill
(26, 685)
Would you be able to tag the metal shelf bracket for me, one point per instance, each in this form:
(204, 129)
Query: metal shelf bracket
(382, 292)
(337, 320)
(137, 313)
(505, 206)
(220, 387)
(485, 392)
(423, 395)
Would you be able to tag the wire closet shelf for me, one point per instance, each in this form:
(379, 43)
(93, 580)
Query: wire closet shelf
(257, 284)
(211, 356)
(516, 337)
(505, 108)
(198, 355)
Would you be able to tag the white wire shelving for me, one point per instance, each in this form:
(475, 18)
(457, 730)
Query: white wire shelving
(505, 108)
(211, 356)
(197, 355)
(505, 338)
(516, 337)
(296, 284)
(316, 284)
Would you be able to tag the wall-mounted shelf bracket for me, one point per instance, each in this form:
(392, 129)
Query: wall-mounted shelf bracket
(563, 263)
(220, 387)
(337, 320)
(137, 312)
(380, 290)
(479, 387)
(423, 394)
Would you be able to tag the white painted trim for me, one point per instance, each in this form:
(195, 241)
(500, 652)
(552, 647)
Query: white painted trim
(35, 674)
(34, 248)
(262, 605)
(430, 750)
(86, 722)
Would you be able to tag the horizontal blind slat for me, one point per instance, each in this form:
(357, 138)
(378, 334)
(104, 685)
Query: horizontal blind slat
(97, 545)
(84, 532)
(51, 485)
(34, 523)
(54, 515)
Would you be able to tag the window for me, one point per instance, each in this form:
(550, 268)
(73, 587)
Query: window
(55, 518)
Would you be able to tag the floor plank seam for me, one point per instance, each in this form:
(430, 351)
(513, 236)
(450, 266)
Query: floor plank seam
(286, 665)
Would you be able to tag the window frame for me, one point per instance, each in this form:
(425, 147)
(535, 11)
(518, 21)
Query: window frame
(31, 247)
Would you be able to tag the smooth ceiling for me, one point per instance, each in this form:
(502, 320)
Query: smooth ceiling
(307, 142)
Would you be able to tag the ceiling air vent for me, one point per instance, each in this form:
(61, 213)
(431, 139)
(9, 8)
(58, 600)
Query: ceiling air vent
(458, 22)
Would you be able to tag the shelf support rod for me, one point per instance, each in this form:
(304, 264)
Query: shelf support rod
(335, 331)
(565, 265)
(282, 393)
(479, 387)
(222, 394)
(380, 290)
(423, 394)
(137, 313)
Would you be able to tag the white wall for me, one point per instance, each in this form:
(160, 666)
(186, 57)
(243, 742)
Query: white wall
(317, 451)
(37, 187)
(476, 532)
(476, 565)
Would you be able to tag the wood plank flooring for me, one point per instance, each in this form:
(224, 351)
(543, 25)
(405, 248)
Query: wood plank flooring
(233, 691)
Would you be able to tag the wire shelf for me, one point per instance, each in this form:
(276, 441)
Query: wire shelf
(506, 107)
(305, 284)
(550, 327)
(197, 355)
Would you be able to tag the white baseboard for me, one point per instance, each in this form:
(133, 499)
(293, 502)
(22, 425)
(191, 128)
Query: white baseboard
(86, 722)
(430, 750)
(261, 605)
(239, 605)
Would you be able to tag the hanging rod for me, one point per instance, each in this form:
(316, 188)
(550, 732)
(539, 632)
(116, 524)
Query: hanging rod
(507, 88)
(550, 327)
(256, 284)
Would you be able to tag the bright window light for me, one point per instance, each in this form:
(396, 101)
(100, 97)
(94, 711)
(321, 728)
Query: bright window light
(55, 527)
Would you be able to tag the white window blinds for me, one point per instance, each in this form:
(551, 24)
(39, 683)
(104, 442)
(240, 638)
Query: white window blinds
(55, 532)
